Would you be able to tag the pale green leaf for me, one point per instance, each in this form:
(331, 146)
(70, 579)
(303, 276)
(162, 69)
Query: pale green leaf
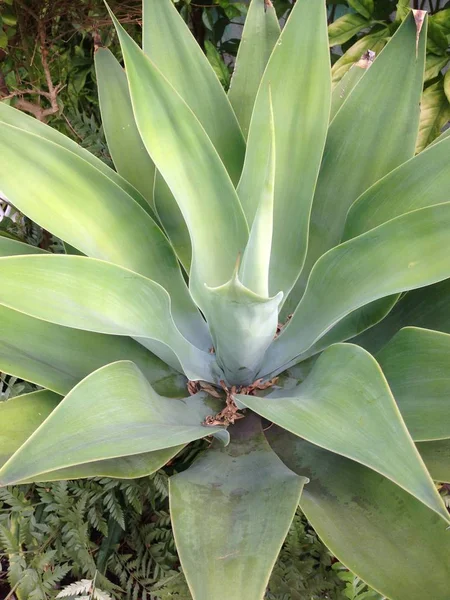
(434, 114)
(298, 68)
(259, 36)
(416, 364)
(174, 51)
(69, 197)
(447, 85)
(231, 511)
(345, 86)
(124, 142)
(114, 412)
(85, 293)
(191, 167)
(422, 181)
(436, 456)
(373, 41)
(385, 536)
(58, 357)
(346, 406)
(243, 325)
(407, 252)
(255, 267)
(433, 65)
(428, 307)
(22, 415)
(21, 120)
(10, 247)
(344, 28)
(360, 147)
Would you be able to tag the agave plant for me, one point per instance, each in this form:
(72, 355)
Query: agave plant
(209, 286)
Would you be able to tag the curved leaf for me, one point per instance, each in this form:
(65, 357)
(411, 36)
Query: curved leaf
(69, 197)
(114, 412)
(416, 363)
(187, 69)
(404, 253)
(124, 142)
(191, 167)
(298, 69)
(420, 182)
(20, 416)
(434, 114)
(10, 247)
(58, 357)
(360, 147)
(345, 86)
(385, 536)
(344, 28)
(231, 511)
(428, 307)
(259, 36)
(85, 293)
(19, 119)
(345, 406)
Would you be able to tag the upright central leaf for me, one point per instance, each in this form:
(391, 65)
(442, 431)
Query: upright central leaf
(298, 74)
(190, 165)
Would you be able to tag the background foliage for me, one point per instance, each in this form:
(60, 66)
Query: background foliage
(117, 533)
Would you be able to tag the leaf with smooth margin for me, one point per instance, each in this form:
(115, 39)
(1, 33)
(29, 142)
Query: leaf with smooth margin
(46, 182)
(345, 86)
(434, 114)
(58, 357)
(259, 36)
(346, 406)
(385, 536)
(114, 412)
(428, 307)
(85, 293)
(231, 511)
(299, 69)
(364, 7)
(243, 325)
(11, 247)
(124, 142)
(416, 363)
(21, 416)
(191, 167)
(173, 222)
(359, 151)
(345, 27)
(255, 266)
(17, 118)
(407, 252)
(436, 456)
(373, 41)
(184, 65)
(422, 181)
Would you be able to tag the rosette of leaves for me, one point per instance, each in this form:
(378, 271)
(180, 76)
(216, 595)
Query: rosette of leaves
(226, 216)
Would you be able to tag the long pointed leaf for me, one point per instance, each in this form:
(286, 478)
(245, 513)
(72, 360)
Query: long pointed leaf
(428, 307)
(361, 147)
(259, 36)
(191, 167)
(22, 415)
(114, 412)
(345, 406)
(437, 458)
(420, 182)
(124, 142)
(85, 293)
(72, 199)
(416, 363)
(187, 69)
(298, 74)
(231, 512)
(377, 530)
(404, 253)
